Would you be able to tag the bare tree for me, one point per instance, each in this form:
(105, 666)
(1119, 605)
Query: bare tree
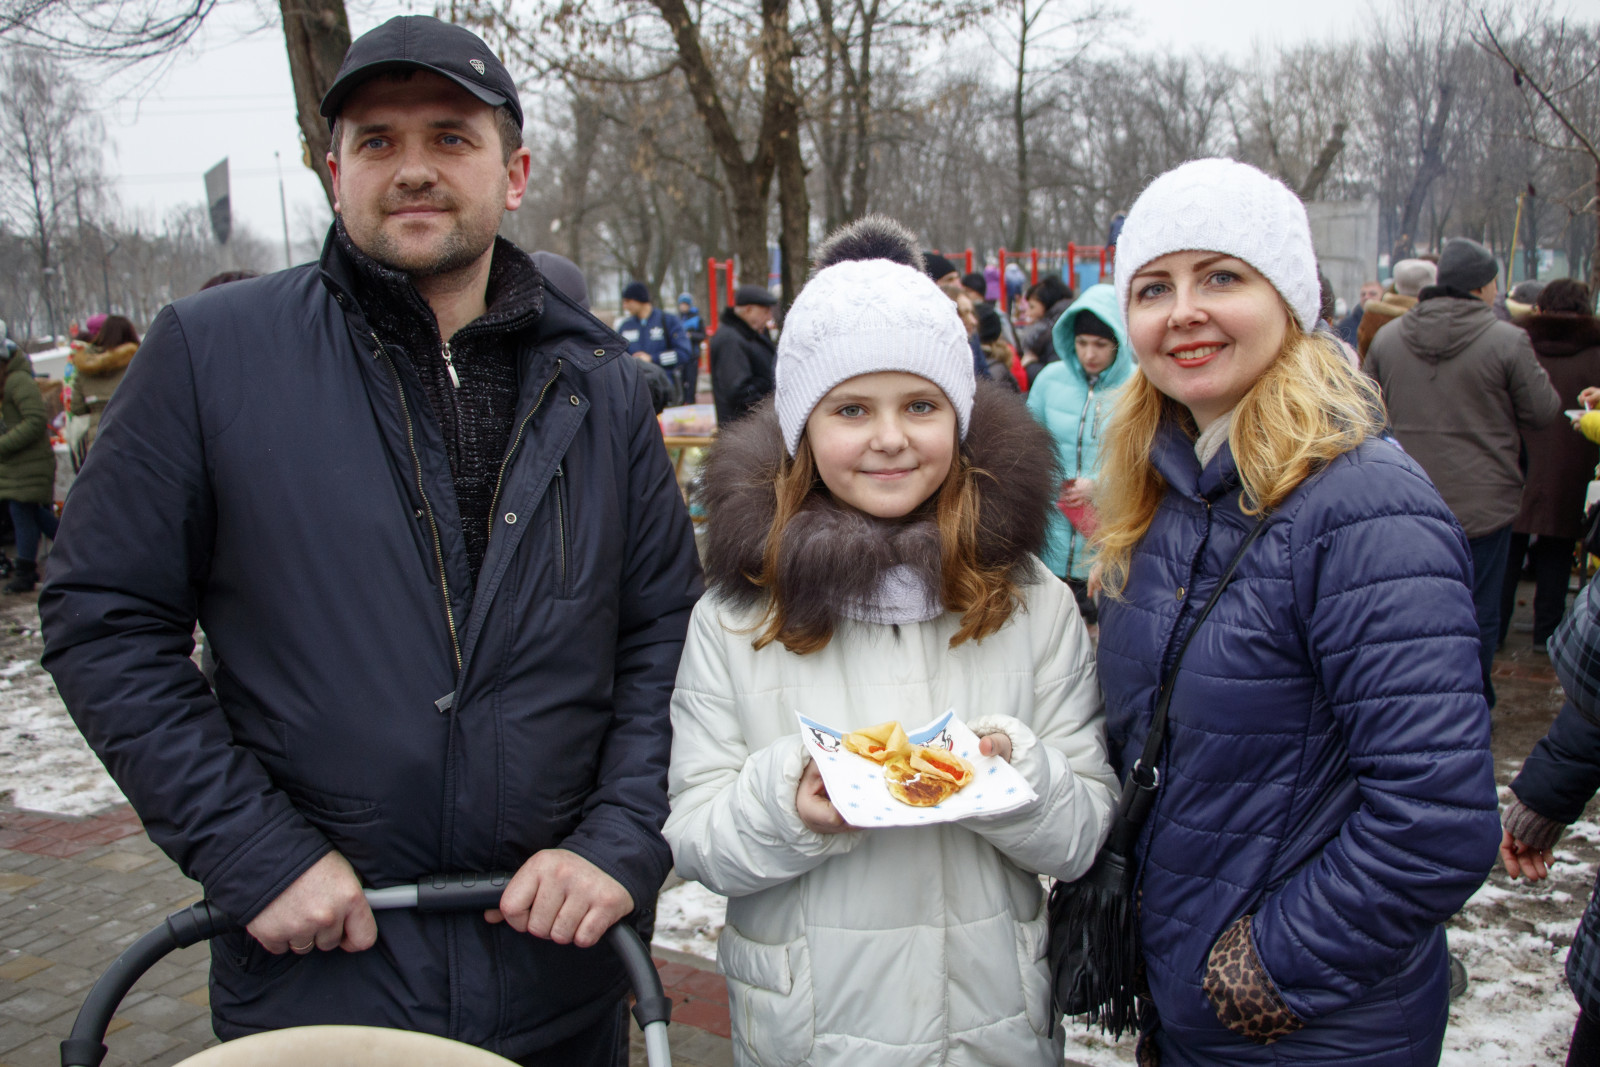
(128, 32)
(48, 155)
(1565, 101)
(1039, 41)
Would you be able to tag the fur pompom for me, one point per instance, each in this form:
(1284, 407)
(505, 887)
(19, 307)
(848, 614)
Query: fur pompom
(870, 237)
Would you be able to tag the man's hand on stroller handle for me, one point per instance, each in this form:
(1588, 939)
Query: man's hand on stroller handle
(322, 909)
(563, 897)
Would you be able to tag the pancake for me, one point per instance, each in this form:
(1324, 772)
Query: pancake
(878, 743)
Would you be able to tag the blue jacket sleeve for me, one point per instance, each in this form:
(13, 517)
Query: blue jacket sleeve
(119, 613)
(1383, 586)
(621, 828)
(1562, 773)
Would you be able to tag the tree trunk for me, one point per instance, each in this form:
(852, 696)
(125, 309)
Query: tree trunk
(1432, 165)
(749, 180)
(317, 35)
(1324, 163)
(1019, 120)
(794, 206)
(1594, 258)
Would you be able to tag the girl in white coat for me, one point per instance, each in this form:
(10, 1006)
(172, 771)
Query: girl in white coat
(870, 557)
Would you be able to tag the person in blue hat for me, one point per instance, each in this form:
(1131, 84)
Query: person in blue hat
(658, 336)
(695, 327)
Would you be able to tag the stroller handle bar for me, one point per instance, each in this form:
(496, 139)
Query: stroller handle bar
(85, 1047)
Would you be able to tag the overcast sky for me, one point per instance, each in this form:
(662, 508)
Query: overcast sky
(231, 96)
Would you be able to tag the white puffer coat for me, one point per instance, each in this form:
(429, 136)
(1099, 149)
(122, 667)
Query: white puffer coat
(921, 945)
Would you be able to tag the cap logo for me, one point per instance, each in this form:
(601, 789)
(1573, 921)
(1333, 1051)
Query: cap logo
(477, 65)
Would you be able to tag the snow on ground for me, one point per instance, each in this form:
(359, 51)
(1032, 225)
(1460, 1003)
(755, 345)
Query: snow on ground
(688, 918)
(45, 765)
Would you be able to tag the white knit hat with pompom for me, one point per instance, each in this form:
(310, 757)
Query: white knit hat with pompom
(1219, 205)
(869, 309)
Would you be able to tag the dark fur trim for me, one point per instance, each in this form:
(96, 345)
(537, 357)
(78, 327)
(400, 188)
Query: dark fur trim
(834, 555)
(1557, 333)
(870, 237)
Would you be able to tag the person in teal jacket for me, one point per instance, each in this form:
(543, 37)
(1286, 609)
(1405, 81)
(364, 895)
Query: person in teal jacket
(1073, 398)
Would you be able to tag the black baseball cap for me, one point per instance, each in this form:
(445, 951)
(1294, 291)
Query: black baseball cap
(422, 42)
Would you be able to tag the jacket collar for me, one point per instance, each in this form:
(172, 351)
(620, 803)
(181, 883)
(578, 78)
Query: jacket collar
(1172, 452)
(577, 337)
(743, 327)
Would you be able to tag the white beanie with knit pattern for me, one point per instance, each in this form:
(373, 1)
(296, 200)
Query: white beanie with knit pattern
(869, 308)
(1220, 205)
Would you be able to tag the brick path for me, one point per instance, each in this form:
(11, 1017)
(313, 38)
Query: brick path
(74, 893)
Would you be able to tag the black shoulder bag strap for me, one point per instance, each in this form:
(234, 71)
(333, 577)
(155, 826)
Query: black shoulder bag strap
(1138, 796)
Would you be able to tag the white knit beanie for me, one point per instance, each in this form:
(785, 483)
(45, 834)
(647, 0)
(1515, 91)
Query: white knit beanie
(861, 316)
(1219, 205)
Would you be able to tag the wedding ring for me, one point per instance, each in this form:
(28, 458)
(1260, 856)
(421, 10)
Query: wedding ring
(301, 950)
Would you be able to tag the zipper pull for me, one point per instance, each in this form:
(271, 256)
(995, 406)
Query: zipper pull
(449, 364)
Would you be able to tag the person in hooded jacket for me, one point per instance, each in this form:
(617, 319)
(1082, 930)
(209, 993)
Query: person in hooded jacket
(27, 467)
(1326, 796)
(1461, 387)
(100, 367)
(1072, 398)
(870, 556)
(1566, 338)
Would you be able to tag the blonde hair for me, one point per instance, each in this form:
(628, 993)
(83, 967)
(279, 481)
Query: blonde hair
(1309, 406)
(983, 594)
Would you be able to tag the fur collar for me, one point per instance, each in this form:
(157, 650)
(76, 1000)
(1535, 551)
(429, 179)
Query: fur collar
(98, 361)
(835, 557)
(1562, 334)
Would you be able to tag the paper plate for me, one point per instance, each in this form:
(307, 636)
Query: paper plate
(856, 787)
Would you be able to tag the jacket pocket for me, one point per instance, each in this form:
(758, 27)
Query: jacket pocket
(330, 809)
(244, 955)
(770, 999)
(1033, 941)
(563, 534)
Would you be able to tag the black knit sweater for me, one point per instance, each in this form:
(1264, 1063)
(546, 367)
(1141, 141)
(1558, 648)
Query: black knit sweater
(474, 419)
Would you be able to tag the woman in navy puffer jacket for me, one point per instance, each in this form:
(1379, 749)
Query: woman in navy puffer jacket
(1326, 793)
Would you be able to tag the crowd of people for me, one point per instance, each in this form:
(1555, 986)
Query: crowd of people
(1180, 536)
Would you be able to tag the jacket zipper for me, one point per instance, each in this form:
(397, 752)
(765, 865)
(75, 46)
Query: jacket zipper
(433, 525)
(561, 522)
(494, 506)
(449, 364)
(1083, 420)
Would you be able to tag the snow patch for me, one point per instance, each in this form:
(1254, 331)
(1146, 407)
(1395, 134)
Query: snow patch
(45, 764)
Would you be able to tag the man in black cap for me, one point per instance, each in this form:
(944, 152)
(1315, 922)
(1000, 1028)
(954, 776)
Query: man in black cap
(418, 499)
(659, 337)
(742, 354)
(1460, 386)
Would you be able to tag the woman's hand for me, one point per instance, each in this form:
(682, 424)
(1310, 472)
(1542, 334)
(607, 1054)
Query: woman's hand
(1076, 492)
(1524, 861)
(1094, 583)
(995, 745)
(813, 806)
(1590, 396)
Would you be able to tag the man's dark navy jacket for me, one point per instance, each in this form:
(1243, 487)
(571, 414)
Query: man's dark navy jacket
(269, 469)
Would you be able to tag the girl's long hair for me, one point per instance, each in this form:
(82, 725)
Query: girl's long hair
(1309, 406)
(981, 593)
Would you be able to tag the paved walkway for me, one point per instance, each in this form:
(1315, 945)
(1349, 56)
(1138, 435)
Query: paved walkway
(74, 893)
